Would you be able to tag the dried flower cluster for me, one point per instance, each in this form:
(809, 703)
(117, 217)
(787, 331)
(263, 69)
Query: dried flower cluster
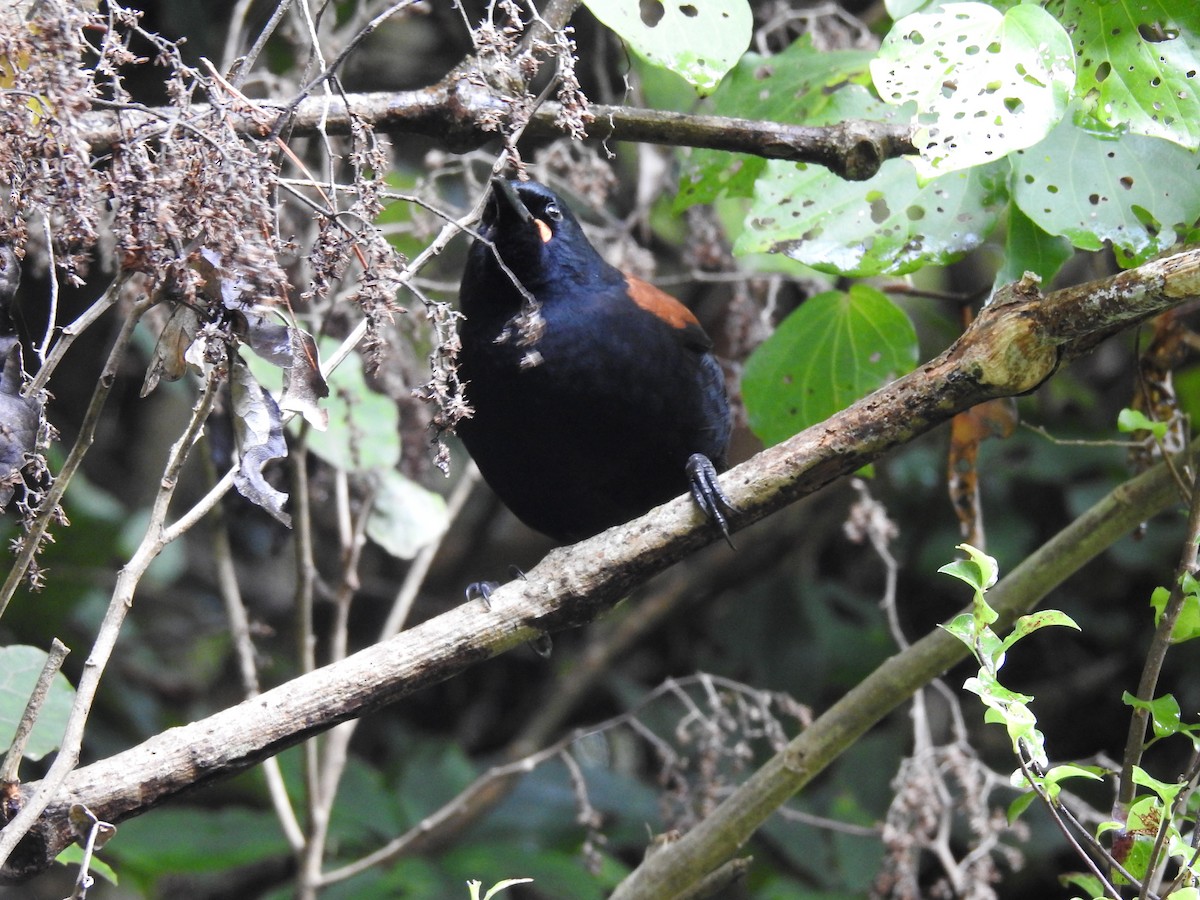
(715, 742)
(941, 814)
(44, 161)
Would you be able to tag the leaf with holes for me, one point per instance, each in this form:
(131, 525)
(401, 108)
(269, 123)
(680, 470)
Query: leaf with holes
(1139, 65)
(888, 225)
(830, 352)
(801, 85)
(1142, 194)
(699, 39)
(985, 83)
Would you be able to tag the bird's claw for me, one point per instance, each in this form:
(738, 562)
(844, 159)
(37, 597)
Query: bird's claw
(481, 590)
(706, 491)
(542, 645)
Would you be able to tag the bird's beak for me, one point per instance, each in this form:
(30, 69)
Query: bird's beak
(503, 188)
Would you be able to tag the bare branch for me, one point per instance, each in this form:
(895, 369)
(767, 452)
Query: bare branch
(12, 759)
(454, 111)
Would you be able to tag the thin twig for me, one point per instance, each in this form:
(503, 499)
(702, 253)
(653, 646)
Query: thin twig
(239, 630)
(1161, 642)
(246, 63)
(72, 331)
(1055, 814)
(672, 687)
(119, 605)
(31, 542)
(52, 273)
(9, 771)
(337, 743)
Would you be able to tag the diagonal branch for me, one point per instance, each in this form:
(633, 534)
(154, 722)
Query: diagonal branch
(1012, 347)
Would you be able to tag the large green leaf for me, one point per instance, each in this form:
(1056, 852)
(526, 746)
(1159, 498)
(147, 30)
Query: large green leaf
(889, 225)
(1138, 64)
(182, 839)
(1140, 193)
(801, 85)
(1027, 248)
(699, 39)
(985, 82)
(405, 516)
(835, 348)
(19, 670)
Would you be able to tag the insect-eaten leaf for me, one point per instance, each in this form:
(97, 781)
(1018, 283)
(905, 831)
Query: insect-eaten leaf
(258, 430)
(698, 41)
(20, 419)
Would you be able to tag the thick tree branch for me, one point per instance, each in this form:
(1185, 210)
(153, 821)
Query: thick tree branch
(1014, 345)
(456, 112)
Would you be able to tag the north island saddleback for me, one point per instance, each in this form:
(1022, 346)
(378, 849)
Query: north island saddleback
(604, 403)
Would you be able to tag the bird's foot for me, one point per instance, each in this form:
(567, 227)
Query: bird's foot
(706, 491)
(481, 590)
(542, 645)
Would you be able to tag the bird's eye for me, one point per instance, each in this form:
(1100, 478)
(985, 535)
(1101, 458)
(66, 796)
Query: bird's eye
(553, 213)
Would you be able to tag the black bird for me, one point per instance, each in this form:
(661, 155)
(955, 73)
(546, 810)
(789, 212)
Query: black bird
(603, 403)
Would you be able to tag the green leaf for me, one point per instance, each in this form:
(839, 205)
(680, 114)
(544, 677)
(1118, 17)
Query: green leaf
(1164, 712)
(1158, 600)
(19, 670)
(1166, 792)
(1187, 624)
(834, 349)
(1048, 782)
(801, 85)
(1010, 709)
(1019, 805)
(964, 627)
(1130, 420)
(699, 39)
(405, 516)
(1028, 248)
(1089, 884)
(1182, 850)
(978, 570)
(1028, 624)
(504, 885)
(364, 426)
(1187, 893)
(1001, 699)
(1139, 193)
(888, 225)
(1058, 774)
(1138, 64)
(985, 82)
(72, 855)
